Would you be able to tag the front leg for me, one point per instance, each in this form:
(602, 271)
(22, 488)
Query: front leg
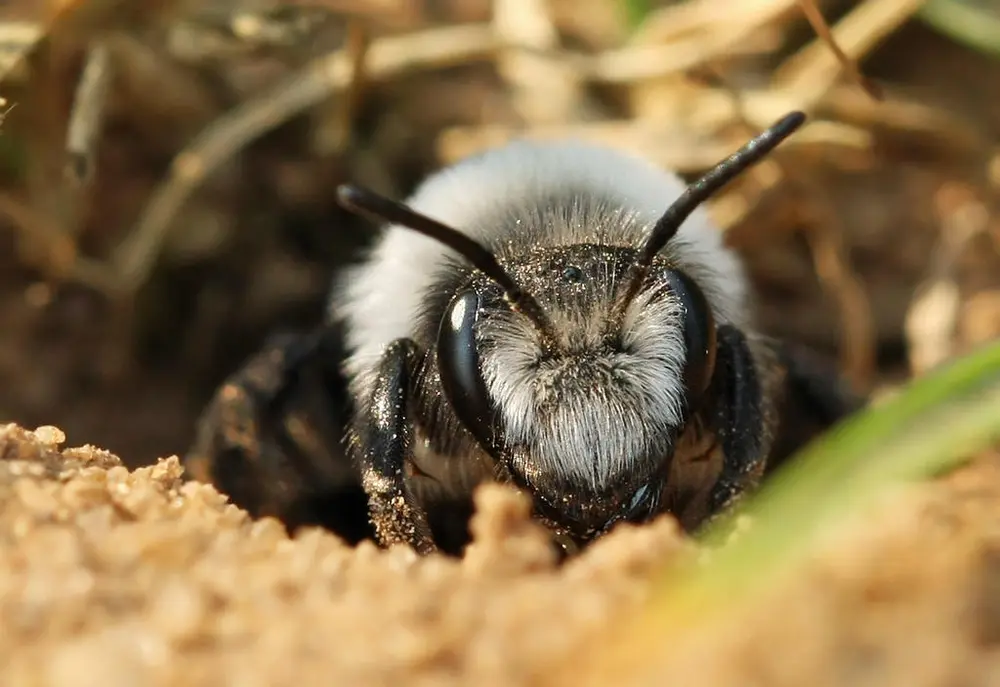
(382, 437)
(770, 400)
(742, 417)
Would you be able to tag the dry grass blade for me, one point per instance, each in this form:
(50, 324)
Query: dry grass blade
(544, 90)
(394, 10)
(676, 20)
(857, 338)
(672, 147)
(16, 39)
(317, 81)
(82, 20)
(87, 115)
(812, 71)
(822, 29)
(934, 313)
(634, 63)
(52, 251)
(333, 131)
(906, 117)
(709, 31)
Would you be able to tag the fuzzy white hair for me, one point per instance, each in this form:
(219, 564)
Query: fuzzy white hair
(602, 412)
(381, 299)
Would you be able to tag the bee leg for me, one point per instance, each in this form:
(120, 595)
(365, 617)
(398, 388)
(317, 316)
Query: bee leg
(771, 400)
(743, 416)
(271, 438)
(382, 438)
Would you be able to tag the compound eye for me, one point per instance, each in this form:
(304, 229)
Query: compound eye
(458, 363)
(699, 335)
(641, 503)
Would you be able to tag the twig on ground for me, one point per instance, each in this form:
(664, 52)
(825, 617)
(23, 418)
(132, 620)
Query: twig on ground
(16, 39)
(811, 72)
(335, 123)
(544, 88)
(822, 29)
(825, 238)
(932, 319)
(87, 116)
(670, 145)
(51, 250)
(318, 80)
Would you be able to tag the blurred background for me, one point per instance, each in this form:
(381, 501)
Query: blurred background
(167, 170)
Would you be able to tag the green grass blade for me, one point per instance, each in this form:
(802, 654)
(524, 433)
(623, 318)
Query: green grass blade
(636, 12)
(935, 423)
(975, 23)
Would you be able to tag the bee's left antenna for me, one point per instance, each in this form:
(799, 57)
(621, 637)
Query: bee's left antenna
(381, 209)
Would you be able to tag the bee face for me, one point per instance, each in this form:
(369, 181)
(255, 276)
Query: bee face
(586, 419)
(589, 346)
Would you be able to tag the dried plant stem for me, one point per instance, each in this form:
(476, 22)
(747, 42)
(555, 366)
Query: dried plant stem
(87, 116)
(725, 21)
(53, 251)
(934, 312)
(812, 71)
(832, 265)
(712, 30)
(544, 90)
(16, 39)
(822, 30)
(670, 146)
(333, 130)
(906, 117)
(316, 82)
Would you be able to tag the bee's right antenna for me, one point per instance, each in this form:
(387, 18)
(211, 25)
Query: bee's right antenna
(702, 189)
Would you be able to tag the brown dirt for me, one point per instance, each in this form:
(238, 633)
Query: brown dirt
(110, 577)
(116, 573)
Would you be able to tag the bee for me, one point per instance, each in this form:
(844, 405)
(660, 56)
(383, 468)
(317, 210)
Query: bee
(557, 316)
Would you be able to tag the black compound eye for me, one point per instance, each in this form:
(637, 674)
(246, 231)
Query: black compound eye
(572, 274)
(699, 335)
(641, 503)
(458, 363)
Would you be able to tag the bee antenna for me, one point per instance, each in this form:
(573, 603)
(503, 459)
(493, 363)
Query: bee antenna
(702, 189)
(367, 203)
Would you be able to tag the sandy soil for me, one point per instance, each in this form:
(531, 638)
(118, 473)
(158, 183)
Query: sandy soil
(114, 577)
(117, 572)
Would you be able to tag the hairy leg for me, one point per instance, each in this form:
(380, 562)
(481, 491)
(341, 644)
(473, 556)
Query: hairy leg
(381, 439)
(744, 418)
(772, 400)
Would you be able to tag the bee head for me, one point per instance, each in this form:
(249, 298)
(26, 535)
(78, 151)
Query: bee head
(577, 368)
